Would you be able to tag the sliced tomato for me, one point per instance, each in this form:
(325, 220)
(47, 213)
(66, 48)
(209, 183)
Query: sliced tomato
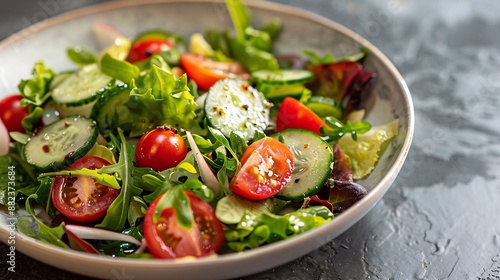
(82, 198)
(166, 239)
(160, 149)
(143, 49)
(11, 112)
(266, 167)
(206, 72)
(293, 114)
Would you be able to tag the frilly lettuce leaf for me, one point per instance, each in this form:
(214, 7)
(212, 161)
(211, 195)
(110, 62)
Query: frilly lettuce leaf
(365, 152)
(255, 230)
(156, 97)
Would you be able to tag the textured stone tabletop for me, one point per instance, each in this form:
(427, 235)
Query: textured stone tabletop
(440, 219)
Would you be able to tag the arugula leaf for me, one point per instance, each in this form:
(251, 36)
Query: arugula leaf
(13, 167)
(336, 129)
(317, 60)
(137, 210)
(175, 198)
(103, 178)
(117, 214)
(40, 230)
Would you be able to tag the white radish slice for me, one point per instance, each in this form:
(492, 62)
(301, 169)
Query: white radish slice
(4, 140)
(105, 34)
(100, 234)
(206, 173)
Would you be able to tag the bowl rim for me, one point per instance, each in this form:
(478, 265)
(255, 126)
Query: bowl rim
(346, 218)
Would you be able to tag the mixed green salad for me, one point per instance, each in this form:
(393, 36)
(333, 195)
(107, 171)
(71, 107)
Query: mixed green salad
(169, 147)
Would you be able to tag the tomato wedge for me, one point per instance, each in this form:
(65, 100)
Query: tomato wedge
(166, 239)
(82, 198)
(143, 49)
(293, 114)
(267, 166)
(206, 72)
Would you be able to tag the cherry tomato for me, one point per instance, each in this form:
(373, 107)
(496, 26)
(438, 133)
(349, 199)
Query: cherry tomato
(267, 166)
(143, 49)
(293, 114)
(82, 198)
(12, 113)
(160, 149)
(167, 239)
(206, 72)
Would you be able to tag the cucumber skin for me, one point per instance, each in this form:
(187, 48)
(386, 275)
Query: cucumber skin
(313, 189)
(70, 158)
(102, 101)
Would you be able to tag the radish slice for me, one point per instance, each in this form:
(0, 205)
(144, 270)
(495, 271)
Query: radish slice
(100, 234)
(4, 140)
(78, 244)
(206, 173)
(105, 34)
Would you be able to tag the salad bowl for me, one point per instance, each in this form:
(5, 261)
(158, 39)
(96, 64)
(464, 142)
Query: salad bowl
(49, 39)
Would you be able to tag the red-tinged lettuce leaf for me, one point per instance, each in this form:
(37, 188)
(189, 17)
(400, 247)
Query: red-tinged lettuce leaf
(344, 194)
(360, 95)
(340, 191)
(333, 80)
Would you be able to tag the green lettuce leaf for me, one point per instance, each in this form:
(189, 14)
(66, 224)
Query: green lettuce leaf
(255, 230)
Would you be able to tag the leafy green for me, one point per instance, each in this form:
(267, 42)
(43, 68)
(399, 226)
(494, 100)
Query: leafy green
(117, 214)
(336, 129)
(255, 230)
(240, 16)
(16, 177)
(119, 69)
(251, 47)
(38, 229)
(177, 199)
(103, 178)
(365, 152)
(81, 56)
(137, 210)
(156, 97)
(36, 90)
(317, 60)
(232, 208)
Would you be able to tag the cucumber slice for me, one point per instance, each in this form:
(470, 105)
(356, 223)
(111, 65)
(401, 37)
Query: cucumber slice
(61, 143)
(325, 106)
(283, 76)
(313, 163)
(111, 109)
(82, 87)
(233, 105)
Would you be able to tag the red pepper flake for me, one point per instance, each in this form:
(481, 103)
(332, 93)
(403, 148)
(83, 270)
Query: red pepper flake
(244, 86)
(244, 106)
(67, 124)
(46, 149)
(306, 145)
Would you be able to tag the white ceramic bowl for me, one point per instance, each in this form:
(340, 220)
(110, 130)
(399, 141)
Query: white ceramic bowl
(49, 39)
